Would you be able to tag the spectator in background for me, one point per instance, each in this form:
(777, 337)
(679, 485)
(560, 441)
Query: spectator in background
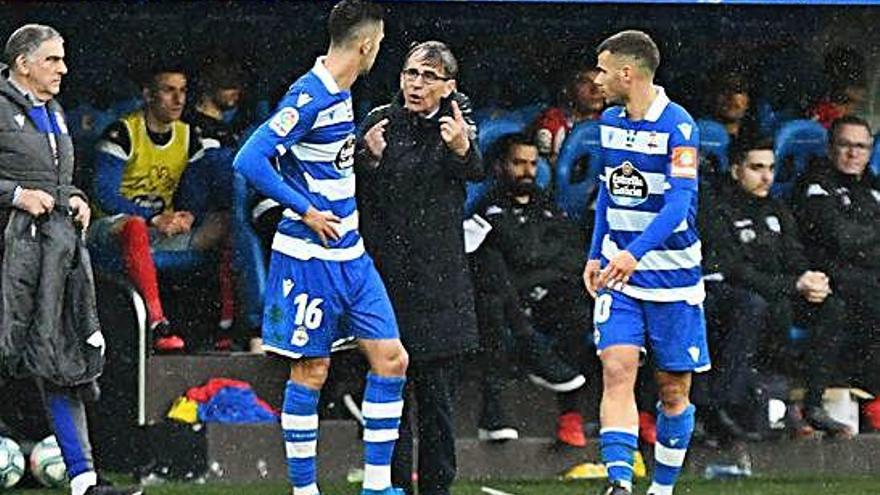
(838, 211)
(731, 105)
(579, 100)
(844, 72)
(217, 116)
(414, 159)
(767, 284)
(141, 162)
(527, 277)
(50, 330)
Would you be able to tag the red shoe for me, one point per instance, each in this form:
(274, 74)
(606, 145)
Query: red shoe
(165, 341)
(570, 429)
(223, 344)
(647, 428)
(871, 410)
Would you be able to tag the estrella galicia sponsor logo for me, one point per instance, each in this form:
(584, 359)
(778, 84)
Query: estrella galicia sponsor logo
(627, 186)
(345, 157)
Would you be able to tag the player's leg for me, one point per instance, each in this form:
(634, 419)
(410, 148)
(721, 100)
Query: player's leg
(299, 420)
(372, 320)
(619, 337)
(677, 331)
(301, 315)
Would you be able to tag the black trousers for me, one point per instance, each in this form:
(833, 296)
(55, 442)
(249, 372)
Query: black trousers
(429, 398)
(735, 321)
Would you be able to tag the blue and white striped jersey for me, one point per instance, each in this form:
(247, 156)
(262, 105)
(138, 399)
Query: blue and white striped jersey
(648, 200)
(311, 138)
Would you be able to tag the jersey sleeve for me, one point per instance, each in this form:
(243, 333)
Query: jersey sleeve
(684, 146)
(272, 139)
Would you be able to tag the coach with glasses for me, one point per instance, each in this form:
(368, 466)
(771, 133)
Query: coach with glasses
(413, 159)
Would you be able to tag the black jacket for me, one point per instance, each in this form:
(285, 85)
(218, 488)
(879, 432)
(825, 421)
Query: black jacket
(530, 250)
(752, 242)
(839, 216)
(411, 208)
(48, 319)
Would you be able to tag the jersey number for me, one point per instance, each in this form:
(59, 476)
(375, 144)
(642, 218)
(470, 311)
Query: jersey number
(308, 313)
(603, 308)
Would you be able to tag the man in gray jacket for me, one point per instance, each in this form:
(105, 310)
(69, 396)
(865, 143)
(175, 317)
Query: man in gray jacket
(49, 329)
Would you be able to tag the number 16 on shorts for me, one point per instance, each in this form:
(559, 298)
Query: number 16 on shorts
(308, 317)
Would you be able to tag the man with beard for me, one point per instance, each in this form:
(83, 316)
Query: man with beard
(643, 264)
(527, 277)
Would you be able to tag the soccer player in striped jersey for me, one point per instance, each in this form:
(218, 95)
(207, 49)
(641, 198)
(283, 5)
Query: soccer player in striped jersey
(643, 266)
(322, 285)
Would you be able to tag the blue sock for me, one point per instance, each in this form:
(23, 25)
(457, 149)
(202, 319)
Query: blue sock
(71, 431)
(618, 446)
(673, 438)
(383, 404)
(299, 420)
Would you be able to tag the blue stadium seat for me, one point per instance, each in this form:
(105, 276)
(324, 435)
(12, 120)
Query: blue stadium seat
(797, 142)
(714, 143)
(577, 168)
(874, 164)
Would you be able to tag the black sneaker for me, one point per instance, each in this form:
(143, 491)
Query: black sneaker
(114, 490)
(616, 489)
(731, 428)
(547, 369)
(819, 419)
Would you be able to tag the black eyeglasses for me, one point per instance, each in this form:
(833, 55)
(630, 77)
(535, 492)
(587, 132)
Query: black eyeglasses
(429, 76)
(844, 144)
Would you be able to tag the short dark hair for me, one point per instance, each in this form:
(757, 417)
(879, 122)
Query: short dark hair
(742, 147)
(502, 147)
(349, 15)
(149, 77)
(435, 53)
(847, 120)
(26, 40)
(636, 44)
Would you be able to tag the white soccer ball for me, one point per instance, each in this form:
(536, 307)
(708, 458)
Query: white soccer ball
(47, 464)
(11, 463)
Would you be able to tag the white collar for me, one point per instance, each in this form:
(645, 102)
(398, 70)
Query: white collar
(24, 92)
(657, 106)
(324, 75)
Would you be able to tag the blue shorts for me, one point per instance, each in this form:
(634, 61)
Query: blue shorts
(310, 304)
(676, 330)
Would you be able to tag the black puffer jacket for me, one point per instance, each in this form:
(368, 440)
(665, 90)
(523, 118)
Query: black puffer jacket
(412, 206)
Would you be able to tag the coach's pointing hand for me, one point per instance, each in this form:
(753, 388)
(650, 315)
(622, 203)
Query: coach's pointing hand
(374, 138)
(454, 131)
(324, 223)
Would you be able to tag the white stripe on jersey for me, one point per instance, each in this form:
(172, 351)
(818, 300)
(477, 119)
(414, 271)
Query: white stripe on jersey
(338, 113)
(332, 189)
(346, 224)
(112, 149)
(644, 142)
(656, 182)
(304, 250)
(692, 295)
(634, 220)
(670, 259)
(311, 152)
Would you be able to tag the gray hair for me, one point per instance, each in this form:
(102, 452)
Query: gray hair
(26, 40)
(437, 54)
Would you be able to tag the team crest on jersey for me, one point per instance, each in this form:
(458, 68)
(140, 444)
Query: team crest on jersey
(345, 157)
(300, 337)
(627, 186)
(284, 121)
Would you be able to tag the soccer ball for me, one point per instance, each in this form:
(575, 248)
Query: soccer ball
(47, 464)
(11, 463)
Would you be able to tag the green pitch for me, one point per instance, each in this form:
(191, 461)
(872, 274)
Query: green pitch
(754, 486)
